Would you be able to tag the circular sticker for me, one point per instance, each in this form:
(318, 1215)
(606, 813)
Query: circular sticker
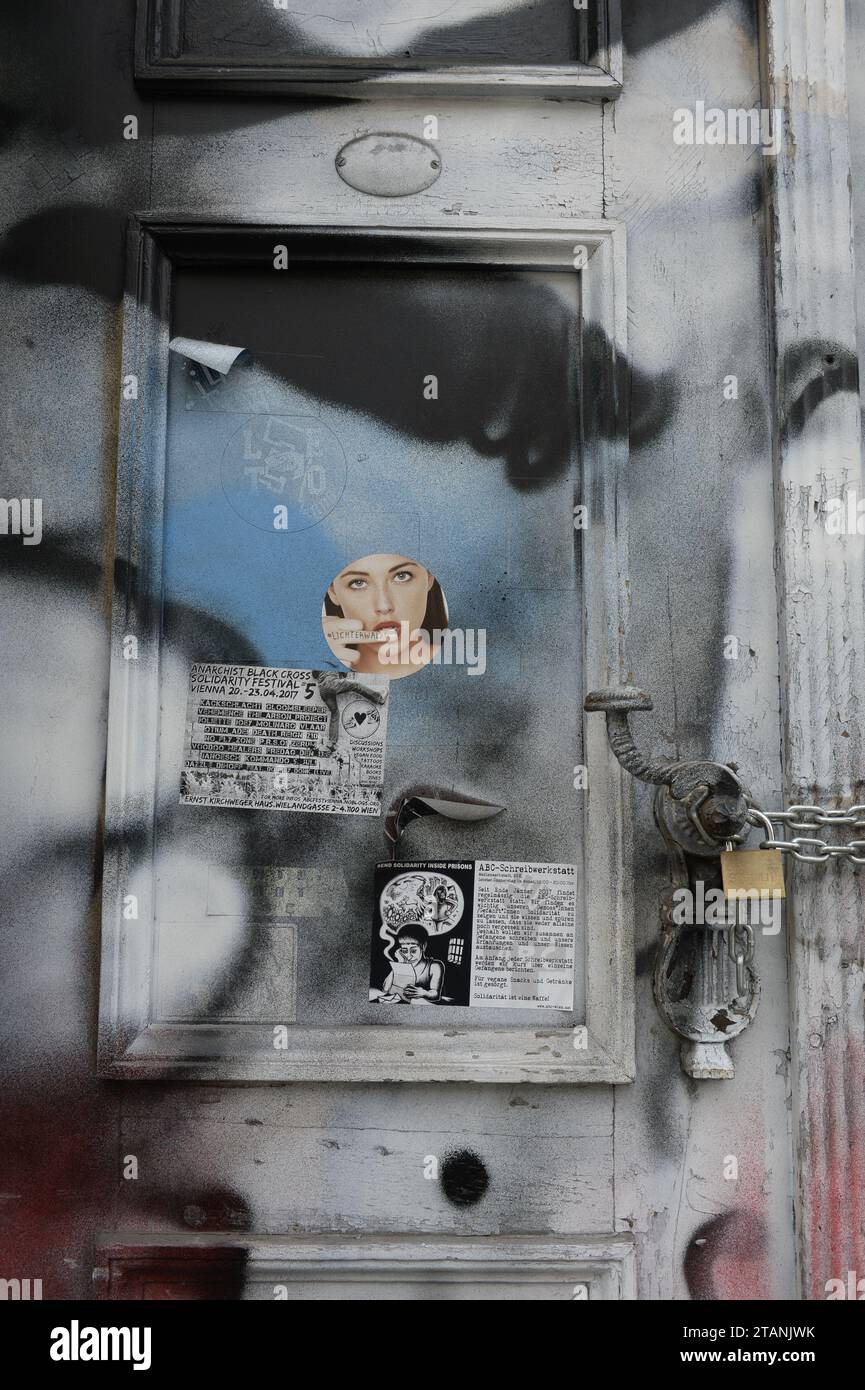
(434, 900)
(384, 615)
(360, 719)
(283, 473)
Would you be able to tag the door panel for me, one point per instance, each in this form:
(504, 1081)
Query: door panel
(196, 990)
(333, 1157)
(359, 47)
(373, 1268)
(356, 1158)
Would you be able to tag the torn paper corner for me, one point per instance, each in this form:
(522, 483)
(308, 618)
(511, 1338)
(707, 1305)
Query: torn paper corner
(219, 357)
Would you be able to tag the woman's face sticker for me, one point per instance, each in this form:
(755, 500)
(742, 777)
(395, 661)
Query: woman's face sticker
(376, 615)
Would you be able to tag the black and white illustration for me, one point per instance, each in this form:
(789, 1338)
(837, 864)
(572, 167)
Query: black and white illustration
(422, 931)
(273, 738)
(477, 933)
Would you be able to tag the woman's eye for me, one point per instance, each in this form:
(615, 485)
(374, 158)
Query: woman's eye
(403, 576)
(357, 583)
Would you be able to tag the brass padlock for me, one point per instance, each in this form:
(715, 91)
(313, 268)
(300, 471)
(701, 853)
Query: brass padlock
(748, 871)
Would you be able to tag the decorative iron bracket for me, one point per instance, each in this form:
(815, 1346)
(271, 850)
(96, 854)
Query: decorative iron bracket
(702, 991)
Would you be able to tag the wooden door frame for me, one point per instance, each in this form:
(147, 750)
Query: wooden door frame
(821, 610)
(133, 1042)
(160, 66)
(214, 1265)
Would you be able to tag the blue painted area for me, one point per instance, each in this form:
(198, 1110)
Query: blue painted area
(269, 587)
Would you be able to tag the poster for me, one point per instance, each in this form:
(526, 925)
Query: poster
(280, 739)
(478, 932)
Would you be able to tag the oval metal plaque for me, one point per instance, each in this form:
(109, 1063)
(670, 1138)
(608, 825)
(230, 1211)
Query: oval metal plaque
(388, 165)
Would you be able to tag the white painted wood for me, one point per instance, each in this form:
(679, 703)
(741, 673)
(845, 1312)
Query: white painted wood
(352, 1158)
(132, 1043)
(701, 524)
(162, 65)
(273, 158)
(694, 310)
(821, 599)
(376, 1266)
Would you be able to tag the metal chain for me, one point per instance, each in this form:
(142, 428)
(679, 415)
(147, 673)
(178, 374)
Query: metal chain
(807, 817)
(809, 849)
(740, 949)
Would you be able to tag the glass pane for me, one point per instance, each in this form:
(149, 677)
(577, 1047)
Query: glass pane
(388, 32)
(475, 479)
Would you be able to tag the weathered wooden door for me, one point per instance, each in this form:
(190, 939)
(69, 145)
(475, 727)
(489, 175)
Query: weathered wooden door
(476, 295)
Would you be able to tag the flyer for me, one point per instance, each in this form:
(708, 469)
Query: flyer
(477, 932)
(283, 739)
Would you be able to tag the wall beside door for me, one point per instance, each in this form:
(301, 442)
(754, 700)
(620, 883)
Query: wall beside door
(649, 1158)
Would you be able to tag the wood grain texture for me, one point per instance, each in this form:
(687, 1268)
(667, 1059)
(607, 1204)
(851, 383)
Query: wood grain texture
(701, 547)
(694, 300)
(353, 1158)
(821, 585)
(856, 105)
(515, 160)
(236, 54)
(372, 1266)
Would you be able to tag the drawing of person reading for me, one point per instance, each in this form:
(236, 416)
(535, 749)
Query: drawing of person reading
(414, 977)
